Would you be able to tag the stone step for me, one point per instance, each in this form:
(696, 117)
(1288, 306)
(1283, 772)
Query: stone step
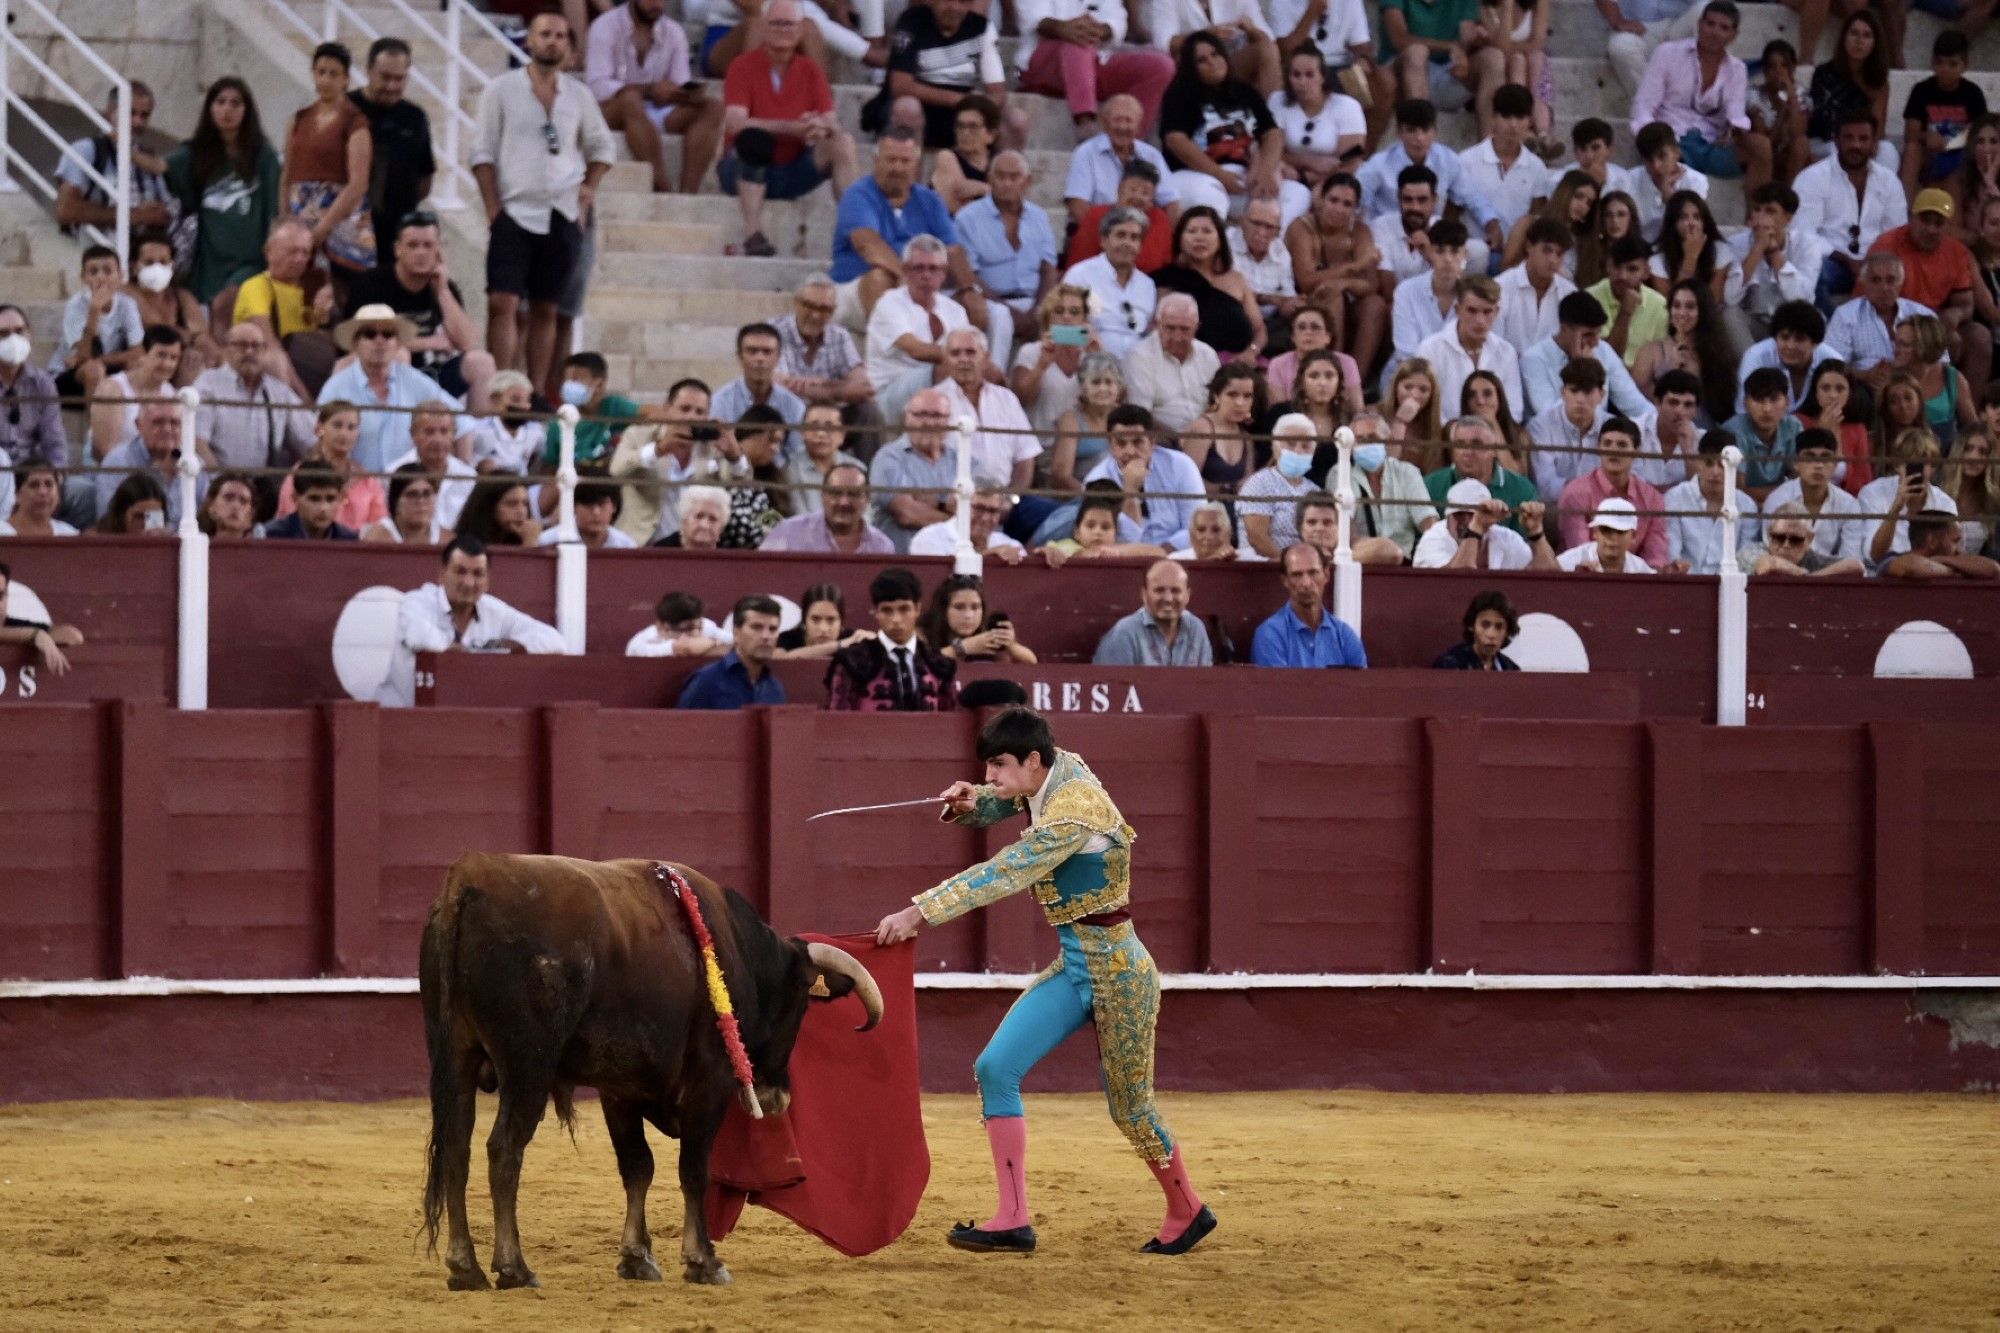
(34, 283)
(690, 305)
(689, 273)
(659, 237)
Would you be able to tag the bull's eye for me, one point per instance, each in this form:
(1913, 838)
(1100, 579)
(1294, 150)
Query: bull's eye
(819, 990)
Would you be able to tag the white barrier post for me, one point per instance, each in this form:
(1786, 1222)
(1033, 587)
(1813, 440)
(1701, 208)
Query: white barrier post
(192, 658)
(572, 560)
(1346, 572)
(1732, 609)
(964, 559)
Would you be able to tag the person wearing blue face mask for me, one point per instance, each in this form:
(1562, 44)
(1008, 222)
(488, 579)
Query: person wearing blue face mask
(1267, 504)
(584, 388)
(1393, 506)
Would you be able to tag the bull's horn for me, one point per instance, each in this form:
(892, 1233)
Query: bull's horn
(829, 959)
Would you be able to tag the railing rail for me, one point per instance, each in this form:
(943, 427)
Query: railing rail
(118, 185)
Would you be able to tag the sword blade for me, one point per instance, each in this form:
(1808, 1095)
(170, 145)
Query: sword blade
(864, 809)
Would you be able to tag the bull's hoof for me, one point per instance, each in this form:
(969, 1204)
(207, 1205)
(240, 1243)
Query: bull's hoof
(710, 1274)
(639, 1268)
(511, 1278)
(467, 1279)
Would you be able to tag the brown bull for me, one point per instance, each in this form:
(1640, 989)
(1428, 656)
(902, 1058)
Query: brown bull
(541, 974)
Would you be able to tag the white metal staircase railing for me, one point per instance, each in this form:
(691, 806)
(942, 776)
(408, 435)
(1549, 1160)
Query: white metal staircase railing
(457, 128)
(15, 54)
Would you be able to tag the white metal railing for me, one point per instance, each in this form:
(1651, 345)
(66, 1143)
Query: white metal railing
(117, 186)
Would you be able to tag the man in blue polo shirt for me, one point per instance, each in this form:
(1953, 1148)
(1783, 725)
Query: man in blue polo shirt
(742, 676)
(879, 215)
(1304, 633)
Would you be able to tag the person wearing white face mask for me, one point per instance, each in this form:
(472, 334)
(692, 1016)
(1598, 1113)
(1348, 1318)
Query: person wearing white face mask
(31, 426)
(161, 300)
(1267, 504)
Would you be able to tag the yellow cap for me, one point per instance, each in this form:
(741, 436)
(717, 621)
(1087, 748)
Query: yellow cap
(1932, 201)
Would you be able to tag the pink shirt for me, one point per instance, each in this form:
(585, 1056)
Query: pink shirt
(1672, 91)
(1579, 500)
(361, 503)
(1283, 373)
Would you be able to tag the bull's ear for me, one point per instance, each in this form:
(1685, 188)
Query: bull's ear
(829, 986)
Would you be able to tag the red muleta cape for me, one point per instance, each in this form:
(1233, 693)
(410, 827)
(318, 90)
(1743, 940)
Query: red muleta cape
(848, 1161)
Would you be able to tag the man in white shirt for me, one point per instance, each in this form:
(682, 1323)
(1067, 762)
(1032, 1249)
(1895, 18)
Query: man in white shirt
(1847, 200)
(1468, 343)
(1261, 257)
(907, 328)
(1424, 300)
(1668, 439)
(1169, 371)
(1609, 550)
(1571, 424)
(1475, 535)
(990, 503)
(1695, 538)
(1796, 346)
(1531, 292)
(1403, 236)
(1002, 445)
(431, 426)
(1769, 265)
(458, 614)
(1098, 164)
(1593, 139)
(1125, 297)
(1660, 176)
(1512, 180)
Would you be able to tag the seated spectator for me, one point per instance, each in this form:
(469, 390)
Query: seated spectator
(1790, 547)
(1696, 86)
(1074, 49)
(1660, 176)
(756, 384)
(990, 503)
(162, 300)
(1395, 509)
(316, 496)
(880, 214)
(680, 629)
(1160, 632)
(1123, 297)
(1513, 180)
(46, 639)
(1696, 342)
(1010, 244)
(231, 508)
(1906, 488)
(1139, 190)
(383, 385)
(1796, 347)
(431, 445)
(1478, 533)
(509, 442)
(1971, 478)
(32, 425)
(101, 331)
(137, 507)
(822, 629)
(746, 465)
(1045, 374)
(114, 408)
(1099, 529)
(940, 55)
(1921, 342)
(37, 494)
(824, 439)
(636, 65)
(1935, 552)
(1385, 177)
(1532, 292)
(957, 624)
(1218, 135)
(1422, 303)
(152, 450)
(1566, 433)
(1102, 164)
(1939, 274)
(596, 519)
(699, 513)
(1147, 474)
(1468, 343)
(1338, 267)
(818, 359)
(458, 614)
(443, 342)
(1580, 322)
(1240, 26)
(586, 386)
(1231, 320)
(1445, 56)
(499, 514)
(1168, 373)
(1218, 442)
(1939, 111)
(839, 525)
(1767, 266)
(960, 172)
(1268, 499)
(1695, 533)
(1325, 129)
(1829, 399)
(293, 304)
(1594, 140)
(907, 330)
(923, 458)
(1668, 438)
(1766, 433)
(1257, 246)
(1637, 313)
(1608, 548)
(1572, 206)
(1846, 202)
(249, 418)
(1083, 434)
(1341, 396)
(81, 201)
(1483, 397)
(1777, 107)
(785, 136)
(1490, 625)
(892, 670)
(662, 454)
(1472, 446)
(1304, 632)
(1002, 442)
(1211, 535)
(742, 676)
(362, 500)
(413, 510)
(1855, 77)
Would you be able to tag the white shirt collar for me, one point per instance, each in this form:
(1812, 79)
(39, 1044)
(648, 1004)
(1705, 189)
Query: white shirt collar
(893, 647)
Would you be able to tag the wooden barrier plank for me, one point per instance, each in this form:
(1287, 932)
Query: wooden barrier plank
(1674, 763)
(789, 739)
(1896, 889)
(352, 737)
(145, 912)
(1230, 903)
(1452, 764)
(573, 778)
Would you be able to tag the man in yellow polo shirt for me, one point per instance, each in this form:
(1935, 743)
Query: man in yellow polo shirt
(1637, 312)
(294, 322)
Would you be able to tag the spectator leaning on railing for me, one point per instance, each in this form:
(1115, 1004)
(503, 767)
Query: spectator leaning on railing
(459, 614)
(1490, 625)
(47, 640)
(1161, 632)
(1304, 632)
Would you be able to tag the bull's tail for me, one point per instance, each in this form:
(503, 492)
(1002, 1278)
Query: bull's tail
(451, 1072)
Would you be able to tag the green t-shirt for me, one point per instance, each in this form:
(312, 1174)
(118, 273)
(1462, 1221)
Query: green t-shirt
(1436, 20)
(594, 439)
(1649, 321)
(1512, 487)
(236, 217)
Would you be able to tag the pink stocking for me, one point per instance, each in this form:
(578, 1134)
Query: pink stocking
(1008, 1136)
(1182, 1202)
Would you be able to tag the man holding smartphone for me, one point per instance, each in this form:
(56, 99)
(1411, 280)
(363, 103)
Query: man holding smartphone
(636, 63)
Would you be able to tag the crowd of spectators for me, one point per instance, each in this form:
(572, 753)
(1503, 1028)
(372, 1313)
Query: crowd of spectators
(1264, 238)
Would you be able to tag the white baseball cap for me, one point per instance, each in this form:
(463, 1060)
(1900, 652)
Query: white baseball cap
(1616, 514)
(1467, 494)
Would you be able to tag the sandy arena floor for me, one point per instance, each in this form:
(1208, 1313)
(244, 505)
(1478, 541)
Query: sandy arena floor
(1338, 1211)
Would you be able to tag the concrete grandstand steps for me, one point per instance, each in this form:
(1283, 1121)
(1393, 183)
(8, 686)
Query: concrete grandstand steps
(692, 305)
(714, 272)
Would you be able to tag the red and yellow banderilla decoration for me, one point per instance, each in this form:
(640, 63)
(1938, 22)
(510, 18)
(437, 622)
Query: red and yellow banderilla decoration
(718, 990)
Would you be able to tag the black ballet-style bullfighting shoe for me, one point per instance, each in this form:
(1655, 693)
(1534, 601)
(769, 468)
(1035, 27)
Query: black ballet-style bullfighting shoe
(1204, 1222)
(1014, 1240)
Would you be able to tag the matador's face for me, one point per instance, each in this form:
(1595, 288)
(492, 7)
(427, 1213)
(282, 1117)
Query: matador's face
(1014, 778)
